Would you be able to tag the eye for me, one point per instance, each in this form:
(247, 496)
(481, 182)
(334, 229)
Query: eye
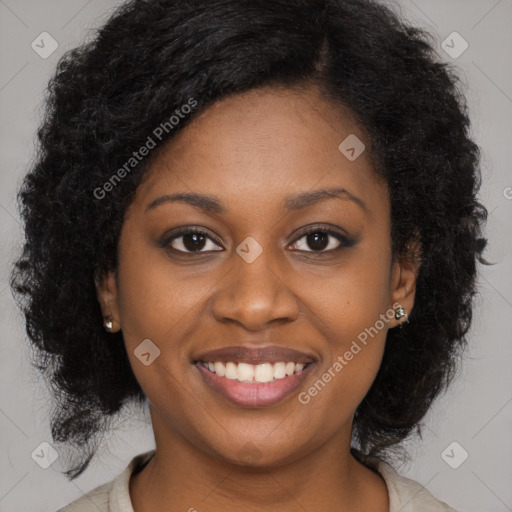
(321, 239)
(191, 240)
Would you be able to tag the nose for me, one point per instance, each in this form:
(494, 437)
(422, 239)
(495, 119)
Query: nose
(256, 294)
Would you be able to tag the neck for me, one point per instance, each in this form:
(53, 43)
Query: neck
(182, 477)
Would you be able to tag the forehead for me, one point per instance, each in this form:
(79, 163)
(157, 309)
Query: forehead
(264, 145)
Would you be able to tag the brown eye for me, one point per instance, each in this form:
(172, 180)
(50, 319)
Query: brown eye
(320, 239)
(191, 241)
(317, 241)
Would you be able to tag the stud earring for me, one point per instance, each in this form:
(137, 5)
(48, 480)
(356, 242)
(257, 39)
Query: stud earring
(400, 313)
(108, 323)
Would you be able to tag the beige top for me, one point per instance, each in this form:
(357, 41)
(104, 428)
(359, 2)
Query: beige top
(405, 495)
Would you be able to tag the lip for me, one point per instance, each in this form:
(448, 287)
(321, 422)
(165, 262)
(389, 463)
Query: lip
(243, 354)
(254, 395)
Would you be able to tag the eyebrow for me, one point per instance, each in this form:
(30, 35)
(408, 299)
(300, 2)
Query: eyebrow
(212, 204)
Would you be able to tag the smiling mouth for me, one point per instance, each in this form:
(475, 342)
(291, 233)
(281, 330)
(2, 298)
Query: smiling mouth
(254, 376)
(254, 373)
(253, 385)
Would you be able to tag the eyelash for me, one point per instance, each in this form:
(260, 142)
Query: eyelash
(344, 241)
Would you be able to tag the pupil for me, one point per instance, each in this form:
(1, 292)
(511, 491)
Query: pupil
(193, 246)
(317, 240)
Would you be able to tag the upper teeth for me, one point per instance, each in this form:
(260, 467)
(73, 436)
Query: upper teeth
(265, 372)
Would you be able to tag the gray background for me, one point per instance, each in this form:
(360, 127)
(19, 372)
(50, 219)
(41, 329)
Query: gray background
(476, 412)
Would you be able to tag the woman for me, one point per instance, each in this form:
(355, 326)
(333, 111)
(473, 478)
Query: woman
(260, 219)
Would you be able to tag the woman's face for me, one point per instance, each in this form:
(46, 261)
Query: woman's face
(255, 280)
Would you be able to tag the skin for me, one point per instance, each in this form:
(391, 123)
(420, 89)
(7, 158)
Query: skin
(252, 151)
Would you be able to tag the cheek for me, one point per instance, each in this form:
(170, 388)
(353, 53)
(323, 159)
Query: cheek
(356, 342)
(158, 306)
(157, 299)
(157, 309)
(352, 309)
(350, 298)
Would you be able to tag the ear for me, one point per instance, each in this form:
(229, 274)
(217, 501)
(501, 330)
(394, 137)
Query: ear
(405, 271)
(107, 293)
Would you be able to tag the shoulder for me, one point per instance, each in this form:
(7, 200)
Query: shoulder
(405, 495)
(113, 496)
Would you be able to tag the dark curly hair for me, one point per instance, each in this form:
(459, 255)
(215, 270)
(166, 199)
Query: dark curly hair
(108, 95)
